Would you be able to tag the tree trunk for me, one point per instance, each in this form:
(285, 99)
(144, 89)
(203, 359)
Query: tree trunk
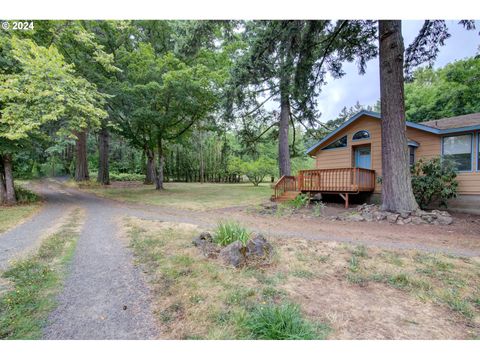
(283, 149)
(397, 194)
(81, 168)
(161, 161)
(150, 171)
(3, 190)
(9, 197)
(103, 176)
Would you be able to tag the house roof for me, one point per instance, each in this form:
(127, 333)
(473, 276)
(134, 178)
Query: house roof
(454, 122)
(439, 127)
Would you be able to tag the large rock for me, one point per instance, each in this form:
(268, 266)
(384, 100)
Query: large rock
(205, 243)
(380, 215)
(392, 218)
(234, 254)
(258, 247)
(355, 217)
(444, 220)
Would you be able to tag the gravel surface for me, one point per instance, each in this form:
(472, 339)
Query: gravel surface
(26, 237)
(105, 296)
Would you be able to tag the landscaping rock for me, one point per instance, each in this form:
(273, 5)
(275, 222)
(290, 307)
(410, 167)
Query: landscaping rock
(259, 247)
(392, 218)
(444, 220)
(380, 215)
(234, 254)
(355, 217)
(373, 212)
(416, 220)
(205, 243)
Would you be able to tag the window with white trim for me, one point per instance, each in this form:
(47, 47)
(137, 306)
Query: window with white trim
(458, 148)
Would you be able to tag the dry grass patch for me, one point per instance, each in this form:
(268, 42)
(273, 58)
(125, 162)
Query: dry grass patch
(14, 215)
(199, 298)
(361, 293)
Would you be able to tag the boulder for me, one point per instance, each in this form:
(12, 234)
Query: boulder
(404, 214)
(355, 217)
(205, 243)
(234, 254)
(258, 247)
(444, 220)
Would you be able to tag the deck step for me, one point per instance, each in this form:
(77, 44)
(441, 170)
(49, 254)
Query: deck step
(287, 196)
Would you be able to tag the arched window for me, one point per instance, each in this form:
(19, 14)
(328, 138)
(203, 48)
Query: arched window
(360, 135)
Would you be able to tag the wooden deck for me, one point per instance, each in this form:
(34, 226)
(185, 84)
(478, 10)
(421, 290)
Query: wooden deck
(343, 181)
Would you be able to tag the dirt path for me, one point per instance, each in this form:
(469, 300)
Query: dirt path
(105, 296)
(26, 237)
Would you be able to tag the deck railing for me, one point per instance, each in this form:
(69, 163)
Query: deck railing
(285, 183)
(336, 180)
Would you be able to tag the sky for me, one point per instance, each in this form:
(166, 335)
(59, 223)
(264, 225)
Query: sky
(366, 88)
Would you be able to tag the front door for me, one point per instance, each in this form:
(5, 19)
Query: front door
(362, 157)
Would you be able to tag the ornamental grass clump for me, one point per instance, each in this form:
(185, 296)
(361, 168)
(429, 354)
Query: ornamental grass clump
(229, 231)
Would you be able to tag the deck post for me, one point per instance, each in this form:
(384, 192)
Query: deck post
(345, 197)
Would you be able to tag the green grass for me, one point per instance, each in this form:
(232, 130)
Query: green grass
(191, 196)
(281, 322)
(33, 284)
(12, 215)
(229, 232)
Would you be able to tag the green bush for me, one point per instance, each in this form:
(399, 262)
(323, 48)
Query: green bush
(229, 232)
(281, 322)
(254, 170)
(300, 201)
(25, 196)
(434, 180)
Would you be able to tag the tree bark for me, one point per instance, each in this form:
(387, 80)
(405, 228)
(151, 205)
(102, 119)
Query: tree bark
(161, 162)
(81, 166)
(283, 126)
(9, 197)
(150, 171)
(397, 194)
(103, 176)
(3, 190)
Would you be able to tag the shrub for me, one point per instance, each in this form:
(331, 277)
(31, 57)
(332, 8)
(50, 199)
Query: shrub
(229, 232)
(300, 201)
(255, 171)
(434, 180)
(114, 176)
(280, 322)
(25, 196)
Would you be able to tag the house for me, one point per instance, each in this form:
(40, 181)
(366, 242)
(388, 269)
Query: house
(348, 160)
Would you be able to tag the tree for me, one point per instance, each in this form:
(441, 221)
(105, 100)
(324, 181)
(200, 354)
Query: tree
(287, 61)
(40, 95)
(449, 91)
(397, 194)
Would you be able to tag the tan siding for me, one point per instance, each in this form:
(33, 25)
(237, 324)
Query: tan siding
(430, 146)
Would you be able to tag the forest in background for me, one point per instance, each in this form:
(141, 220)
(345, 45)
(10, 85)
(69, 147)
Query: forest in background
(190, 100)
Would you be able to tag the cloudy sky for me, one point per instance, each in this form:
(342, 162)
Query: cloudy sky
(366, 88)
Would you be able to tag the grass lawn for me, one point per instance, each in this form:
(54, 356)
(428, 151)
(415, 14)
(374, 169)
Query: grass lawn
(192, 196)
(28, 288)
(319, 289)
(12, 215)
